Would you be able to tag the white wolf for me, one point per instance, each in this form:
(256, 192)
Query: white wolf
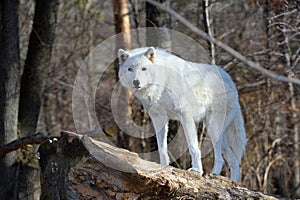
(170, 87)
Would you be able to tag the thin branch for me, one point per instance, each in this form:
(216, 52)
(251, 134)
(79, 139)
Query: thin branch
(37, 138)
(266, 174)
(228, 49)
(284, 14)
(208, 30)
(255, 84)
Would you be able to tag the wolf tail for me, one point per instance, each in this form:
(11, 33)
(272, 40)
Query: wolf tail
(235, 144)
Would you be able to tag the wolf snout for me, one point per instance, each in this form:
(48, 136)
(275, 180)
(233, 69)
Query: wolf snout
(136, 83)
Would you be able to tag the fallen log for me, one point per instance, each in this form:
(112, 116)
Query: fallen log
(79, 167)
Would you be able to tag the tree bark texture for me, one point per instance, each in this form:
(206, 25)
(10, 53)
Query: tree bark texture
(78, 167)
(34, 78)
(37, 64)
(10, 74)
(123, 41)
(122, 22)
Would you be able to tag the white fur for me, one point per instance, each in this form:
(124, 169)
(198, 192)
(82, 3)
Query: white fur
(171, 88)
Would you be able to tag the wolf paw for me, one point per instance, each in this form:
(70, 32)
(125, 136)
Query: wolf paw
(196, 170)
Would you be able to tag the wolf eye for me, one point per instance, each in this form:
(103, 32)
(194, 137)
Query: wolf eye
(144, 69)
(130, 69)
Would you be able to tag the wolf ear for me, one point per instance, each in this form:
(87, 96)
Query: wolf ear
(122, 55)
(150, 54)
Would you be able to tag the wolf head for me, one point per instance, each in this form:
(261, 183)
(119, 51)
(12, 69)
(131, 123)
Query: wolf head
(135, 70)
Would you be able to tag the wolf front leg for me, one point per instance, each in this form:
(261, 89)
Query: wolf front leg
(190, 132)
(160, 124)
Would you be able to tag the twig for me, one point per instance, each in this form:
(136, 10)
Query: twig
(284, 14)
(37, 138)
(255, 84)
(228, 49)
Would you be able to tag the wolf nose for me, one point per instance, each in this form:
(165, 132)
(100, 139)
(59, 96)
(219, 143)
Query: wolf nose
(136, 83)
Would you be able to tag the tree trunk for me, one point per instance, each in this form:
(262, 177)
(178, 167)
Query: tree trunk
(294, 111)
(34, 78)
(156, 18)
(78, 167)
(37, 65)
(122, 24)
(295, 117)
(10, 74)
(122, 27)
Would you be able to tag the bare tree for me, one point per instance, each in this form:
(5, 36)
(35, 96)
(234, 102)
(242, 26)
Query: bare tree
(34, 79)
(10, 74)
(156, 18)
(208, 29)
(291, 55)
(122, 25)
(24, 107)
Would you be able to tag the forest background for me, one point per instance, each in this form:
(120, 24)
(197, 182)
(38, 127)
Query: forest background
(265, 31)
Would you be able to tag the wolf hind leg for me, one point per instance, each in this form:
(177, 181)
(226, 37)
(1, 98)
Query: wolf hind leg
(218, 158)
(216, 132)
(234, 145)
(233, 163)
(216, 135)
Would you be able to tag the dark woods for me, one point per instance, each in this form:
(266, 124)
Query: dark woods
(43, 44)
